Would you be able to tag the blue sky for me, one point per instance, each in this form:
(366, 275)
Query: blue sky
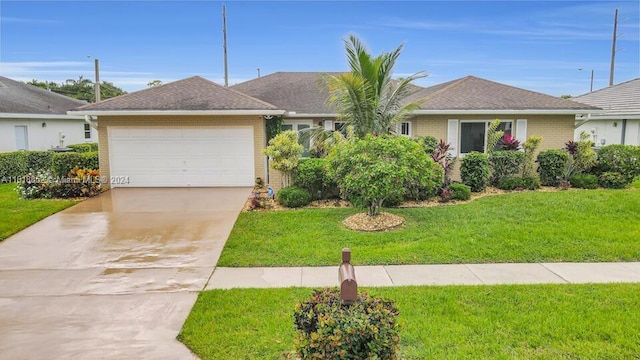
(535, 45)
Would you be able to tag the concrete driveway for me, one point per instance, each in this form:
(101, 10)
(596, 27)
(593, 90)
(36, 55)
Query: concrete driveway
(113, 277)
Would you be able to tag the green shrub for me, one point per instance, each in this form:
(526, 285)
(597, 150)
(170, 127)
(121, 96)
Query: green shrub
(505, 164)
(94, 146)
(81, 148)
(12, 166)
(552, 166)
(428, 143)
(518, 183)
(293, 197)
(460, 191)
(393, 201)
(43, 184)
(613, 180)
(530, 183)
(63, 163)
(312, 175)
(326, 329)
(39, 160)
(584, 181)
(474, 171)
(624, 159)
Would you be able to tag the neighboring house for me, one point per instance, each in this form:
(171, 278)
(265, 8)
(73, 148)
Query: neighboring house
(191, 132)
(194, 132)
(32, 118)
(619, 123)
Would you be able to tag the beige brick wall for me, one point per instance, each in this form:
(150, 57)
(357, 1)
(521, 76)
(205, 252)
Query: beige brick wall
(555, 129)
(182, 121)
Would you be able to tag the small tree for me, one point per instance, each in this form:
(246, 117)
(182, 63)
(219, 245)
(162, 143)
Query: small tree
(493, 136)
(530, 146)
(375, 168)
(284, 151)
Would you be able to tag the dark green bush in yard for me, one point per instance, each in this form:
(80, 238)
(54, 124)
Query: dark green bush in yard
(613, 180)
(584, 181)
(475, 171)
(39, 160)
(624, 159)
(505, 164)
(312, 175)
(63, 163)
(81, 148)
(293, 197)
(460, 191)
(514, 183)
(326, 329)
(552, 166)
(12, 166)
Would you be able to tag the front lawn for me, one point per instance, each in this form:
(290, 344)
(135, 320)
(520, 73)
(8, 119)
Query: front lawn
(575, 226)
(475, 322)
(17, 213)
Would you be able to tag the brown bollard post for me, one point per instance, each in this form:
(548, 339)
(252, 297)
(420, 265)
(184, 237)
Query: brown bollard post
(347, 277)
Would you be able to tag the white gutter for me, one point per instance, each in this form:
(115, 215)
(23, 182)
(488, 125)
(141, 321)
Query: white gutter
(506, 112)
(616, 117)
(92, 123)
(40, 116)
(174, 112)
(293, 114)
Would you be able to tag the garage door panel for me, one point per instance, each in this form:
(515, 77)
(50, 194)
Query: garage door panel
(161, 156)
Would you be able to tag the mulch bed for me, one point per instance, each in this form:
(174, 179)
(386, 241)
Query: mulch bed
(380, 222)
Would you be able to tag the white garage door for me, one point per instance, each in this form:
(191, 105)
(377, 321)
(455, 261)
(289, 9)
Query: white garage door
(178, 157)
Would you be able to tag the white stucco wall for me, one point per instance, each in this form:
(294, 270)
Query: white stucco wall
(43, 138)
(611, 131)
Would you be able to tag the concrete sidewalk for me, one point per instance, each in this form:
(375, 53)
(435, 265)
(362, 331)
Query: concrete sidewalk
(455, 274)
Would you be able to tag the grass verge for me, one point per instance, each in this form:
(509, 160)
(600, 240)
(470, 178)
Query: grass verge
(497, 322)
(580, 226)
(17, 213)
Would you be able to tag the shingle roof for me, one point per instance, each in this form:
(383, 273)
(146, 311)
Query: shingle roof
(301, 92)
(620, 99)
(472, 93)
(194, 93)
(20, 98)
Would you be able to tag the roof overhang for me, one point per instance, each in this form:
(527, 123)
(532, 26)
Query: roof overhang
(506, 111)
(615, 116)
(173, 112)
(40, 116)
(294, 114)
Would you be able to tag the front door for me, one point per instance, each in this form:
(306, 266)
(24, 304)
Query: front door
(22, 138)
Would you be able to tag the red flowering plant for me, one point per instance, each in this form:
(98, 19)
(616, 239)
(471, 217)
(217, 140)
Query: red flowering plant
(508, 142)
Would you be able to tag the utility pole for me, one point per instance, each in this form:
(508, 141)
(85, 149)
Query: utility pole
(613, 48)
(224, 32)
(97, 85)
(591, 87)
(258, 72)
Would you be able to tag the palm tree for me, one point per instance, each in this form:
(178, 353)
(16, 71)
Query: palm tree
(367, 98)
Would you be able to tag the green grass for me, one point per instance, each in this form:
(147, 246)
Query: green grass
(475, 322)
(17, 213)
(575, 226)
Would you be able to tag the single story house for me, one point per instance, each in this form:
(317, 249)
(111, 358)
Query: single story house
(619, 122)
(32, 118)
(194, 132)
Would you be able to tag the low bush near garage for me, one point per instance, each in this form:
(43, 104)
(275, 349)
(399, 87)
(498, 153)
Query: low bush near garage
(293, 197)
(63, 163)
(312, 175)
(45, 185)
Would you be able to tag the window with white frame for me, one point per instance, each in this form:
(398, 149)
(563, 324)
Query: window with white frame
(473, 134)
(297, 125)
(404, 128)
(87, 132)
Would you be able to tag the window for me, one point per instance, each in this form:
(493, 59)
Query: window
(405, 128)
(341, 127)
(473, 134)
(87, 131)
(297, 125)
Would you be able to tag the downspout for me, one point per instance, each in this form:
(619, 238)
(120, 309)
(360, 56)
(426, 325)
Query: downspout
(88, 120)
(624, 131)
(582, 122)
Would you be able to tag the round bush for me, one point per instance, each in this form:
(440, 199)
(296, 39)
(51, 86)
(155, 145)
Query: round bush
(460, 191)
(613, 180)
(326, 329)
(475, 171)
(552, 166)
(505, 163)
(312, 175)
(584, 181)
(624, 159)
(293, 197)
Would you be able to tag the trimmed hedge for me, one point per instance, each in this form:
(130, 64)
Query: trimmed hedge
(293, 197)
(505, 164)
(63, 163)
(514, 183)
(312, 175)
(623, 159)
(584, 181)
(84, 148)
(12, 166)
(460, 191)
(552, 166)
(39, 160)
(327, 329)
(475, 171)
